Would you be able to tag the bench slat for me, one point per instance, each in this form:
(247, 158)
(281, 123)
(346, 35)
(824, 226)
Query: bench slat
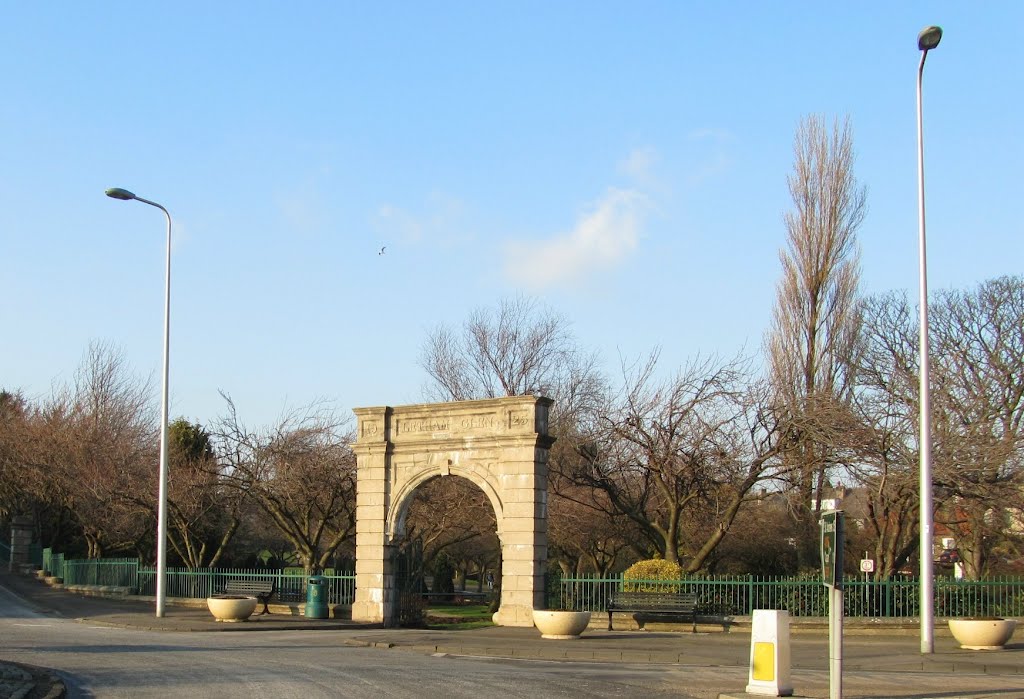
(261, 589)
(653, 603)
(249, 586)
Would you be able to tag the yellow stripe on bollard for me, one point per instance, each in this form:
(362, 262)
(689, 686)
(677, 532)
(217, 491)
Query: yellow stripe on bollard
(764, 662)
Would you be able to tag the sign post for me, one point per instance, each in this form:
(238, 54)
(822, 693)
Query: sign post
(867, 566)
(832, 576)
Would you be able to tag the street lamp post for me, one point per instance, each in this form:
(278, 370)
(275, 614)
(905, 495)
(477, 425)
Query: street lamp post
(928, 39)
(161, 528)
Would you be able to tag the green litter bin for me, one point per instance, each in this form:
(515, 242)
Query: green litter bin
(316, 598)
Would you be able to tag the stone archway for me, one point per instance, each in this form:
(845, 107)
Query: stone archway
(500, 445)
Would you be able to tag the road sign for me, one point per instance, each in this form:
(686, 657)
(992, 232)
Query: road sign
(832, 548)
(867, 565)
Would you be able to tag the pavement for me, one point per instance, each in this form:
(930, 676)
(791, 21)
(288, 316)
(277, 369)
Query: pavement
(867, 646)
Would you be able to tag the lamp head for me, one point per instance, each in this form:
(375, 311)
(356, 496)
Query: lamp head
(118, 193)
(929, 38)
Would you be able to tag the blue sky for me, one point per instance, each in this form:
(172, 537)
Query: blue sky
(625, 163)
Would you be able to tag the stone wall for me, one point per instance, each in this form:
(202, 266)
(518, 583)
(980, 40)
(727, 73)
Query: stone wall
(21, 543)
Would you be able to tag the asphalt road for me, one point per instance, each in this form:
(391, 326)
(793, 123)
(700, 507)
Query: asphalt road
(106, 661)
(101, 661)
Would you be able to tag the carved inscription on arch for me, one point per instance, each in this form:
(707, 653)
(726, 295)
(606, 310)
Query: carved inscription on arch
(482, 423)
(421, 426)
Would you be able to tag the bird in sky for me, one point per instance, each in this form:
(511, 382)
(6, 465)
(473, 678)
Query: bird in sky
(382, 250)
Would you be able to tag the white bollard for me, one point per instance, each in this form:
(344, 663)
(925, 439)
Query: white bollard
(769, 654)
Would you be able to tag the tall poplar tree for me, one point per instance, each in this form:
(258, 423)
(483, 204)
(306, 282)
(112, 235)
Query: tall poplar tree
(816, 317)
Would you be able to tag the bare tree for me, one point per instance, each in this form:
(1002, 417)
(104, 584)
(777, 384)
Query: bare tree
(203, 513)
(301, 473)
(977, 405)
(514, 350)
(88, 456)
(816, 318)
(450, 518)
(978, 340)
(27, 483)
(585, 534)
(747, 550)
(91, 449)
(680, 457)
(29, 475)
(885, 440)
(521, 348)
(14, 419)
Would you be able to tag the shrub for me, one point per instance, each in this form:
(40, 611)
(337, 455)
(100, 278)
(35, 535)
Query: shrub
(655, 575)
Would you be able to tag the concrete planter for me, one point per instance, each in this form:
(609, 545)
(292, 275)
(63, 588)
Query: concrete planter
(231, 607)
(982, 634)
(560, 624)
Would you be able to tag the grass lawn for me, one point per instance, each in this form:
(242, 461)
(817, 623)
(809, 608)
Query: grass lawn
(458, 616)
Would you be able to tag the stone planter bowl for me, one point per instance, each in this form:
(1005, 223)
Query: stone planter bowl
(231, 607)
(982, 634)
(560, 624)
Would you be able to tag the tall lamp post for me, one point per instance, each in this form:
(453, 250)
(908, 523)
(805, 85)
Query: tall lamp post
(927, 40)
(161, 527)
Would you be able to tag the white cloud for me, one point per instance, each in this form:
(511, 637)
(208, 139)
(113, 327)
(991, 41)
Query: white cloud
(639, 164)
(602, 238)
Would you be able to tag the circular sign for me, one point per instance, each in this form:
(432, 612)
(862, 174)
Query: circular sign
(867, 565)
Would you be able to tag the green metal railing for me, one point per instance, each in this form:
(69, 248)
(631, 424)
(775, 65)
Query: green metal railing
(720, 595)
(290, 585)
(740, 595)
(115, 572)
(53, 562)
(182, 582)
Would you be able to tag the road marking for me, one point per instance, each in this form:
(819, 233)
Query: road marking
(35, 625)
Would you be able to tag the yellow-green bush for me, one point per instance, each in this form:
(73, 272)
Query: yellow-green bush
(646, 576)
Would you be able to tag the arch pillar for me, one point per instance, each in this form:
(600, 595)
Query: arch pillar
(523, 472)
(501, 445)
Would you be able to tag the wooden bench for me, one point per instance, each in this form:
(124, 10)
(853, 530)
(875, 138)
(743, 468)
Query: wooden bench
(262, 590)
(660, 603)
